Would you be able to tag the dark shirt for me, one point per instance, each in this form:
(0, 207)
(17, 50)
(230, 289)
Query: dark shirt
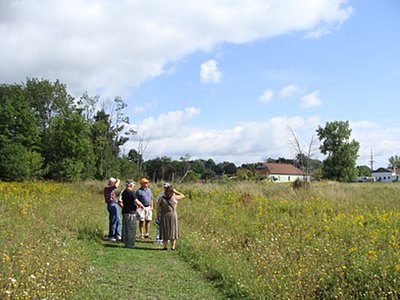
(128, 199)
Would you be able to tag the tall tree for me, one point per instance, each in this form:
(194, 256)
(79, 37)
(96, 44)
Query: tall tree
(70, 152)
(104, 147)
(19, 136)
(394, 162)
(341, 152)
(47, 99)
(87, 106)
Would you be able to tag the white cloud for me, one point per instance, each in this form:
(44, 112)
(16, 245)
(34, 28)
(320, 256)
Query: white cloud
(170, 135)
(382, 141)
(310, 100)
(288, 91)
(209, 72)
(112, 46)
(267, 96)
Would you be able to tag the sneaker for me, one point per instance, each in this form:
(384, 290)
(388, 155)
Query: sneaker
(118, 238)
(141, 236)
(146, 236)
(112, 239)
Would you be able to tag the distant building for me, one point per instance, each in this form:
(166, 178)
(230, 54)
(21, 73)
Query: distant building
(386, 175)
(282, 172)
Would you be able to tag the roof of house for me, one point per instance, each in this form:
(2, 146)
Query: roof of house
(286, 169)
(382, 170)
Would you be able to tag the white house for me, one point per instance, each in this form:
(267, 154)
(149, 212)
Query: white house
(282, 172)
(386, 175)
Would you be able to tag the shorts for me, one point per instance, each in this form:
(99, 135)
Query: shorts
(144, 214)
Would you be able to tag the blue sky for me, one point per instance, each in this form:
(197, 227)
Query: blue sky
(220, 79)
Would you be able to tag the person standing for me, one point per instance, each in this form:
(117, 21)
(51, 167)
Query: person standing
(145, 196)
(114, 227)
(129, 204)
(166, 210)
(159, 196)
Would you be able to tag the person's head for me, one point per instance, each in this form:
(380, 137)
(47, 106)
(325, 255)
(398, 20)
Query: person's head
(169, 191)
(129, 184)
(111, 181)
(144, 182)
(166, 184)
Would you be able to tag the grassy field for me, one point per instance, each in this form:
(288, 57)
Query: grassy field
(238, 240)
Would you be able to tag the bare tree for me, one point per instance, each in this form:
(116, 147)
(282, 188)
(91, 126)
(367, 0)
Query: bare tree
(187, 167)
(303, 154)
(142, 146)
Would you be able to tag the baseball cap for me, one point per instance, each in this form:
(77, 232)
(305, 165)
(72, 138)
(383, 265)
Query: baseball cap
(144, 180)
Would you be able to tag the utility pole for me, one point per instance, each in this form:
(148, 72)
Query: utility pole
(372, 161)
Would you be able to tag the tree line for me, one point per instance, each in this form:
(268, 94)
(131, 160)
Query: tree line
(45, 133)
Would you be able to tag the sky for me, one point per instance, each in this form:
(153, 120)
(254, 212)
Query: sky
(226, 80)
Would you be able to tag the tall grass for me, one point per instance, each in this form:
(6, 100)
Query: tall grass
(268, 241)
(42, 226)
(253, 240)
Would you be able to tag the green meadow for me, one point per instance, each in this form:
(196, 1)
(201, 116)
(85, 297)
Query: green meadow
(239, 240)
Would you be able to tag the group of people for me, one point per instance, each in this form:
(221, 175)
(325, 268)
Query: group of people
(138, 205)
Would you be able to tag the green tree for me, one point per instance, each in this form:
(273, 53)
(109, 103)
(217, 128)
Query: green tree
(19, 136)
(69, 151)
(225, 168)
(364, 171)
(127, 168)
(104, 147)
(48, 100)
(342, 153)
(394, 162)
(87, 106)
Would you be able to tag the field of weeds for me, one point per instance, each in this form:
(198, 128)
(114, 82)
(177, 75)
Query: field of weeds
(331, 241)
(251, 240)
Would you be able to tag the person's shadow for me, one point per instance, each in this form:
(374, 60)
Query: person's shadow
(140, 244)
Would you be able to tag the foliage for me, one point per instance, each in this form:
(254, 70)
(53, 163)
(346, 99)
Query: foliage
(44, 134)
(69, 149)
(342, 153)
(394, 162)
(364, 171)
(299, 184)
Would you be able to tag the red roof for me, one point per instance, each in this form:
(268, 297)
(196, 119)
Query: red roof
(286, 169)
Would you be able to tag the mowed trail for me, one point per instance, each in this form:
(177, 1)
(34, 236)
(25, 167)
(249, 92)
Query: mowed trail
(146, 272)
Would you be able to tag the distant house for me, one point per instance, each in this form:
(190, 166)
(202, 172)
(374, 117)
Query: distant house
(386, 175)
(282, 172)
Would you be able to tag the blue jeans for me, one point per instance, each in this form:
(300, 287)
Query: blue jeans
(114, 220)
